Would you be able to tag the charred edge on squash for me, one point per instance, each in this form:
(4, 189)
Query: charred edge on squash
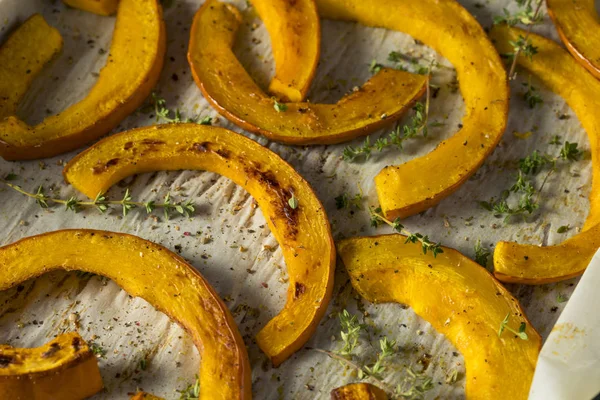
(100, 168)
(76, 343)
(299, 289)
(54, 348)
(5, 361)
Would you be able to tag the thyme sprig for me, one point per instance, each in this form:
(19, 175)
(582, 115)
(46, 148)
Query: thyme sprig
(418, 125)
(191, 392)
(531, 96)
(414, 384)
(529, 196)
(164, 114)
(377, 218)
(102, 203)
(519, 333)
(481, 254)
(350, 333)
(529, 14)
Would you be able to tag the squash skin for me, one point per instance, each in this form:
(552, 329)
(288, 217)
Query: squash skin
(295, 31)
(303, 233)
(132, 69)
(64, 368)
(22, 57)
(562, 74)
(460, 299)
(100, 7)
(225, 369)
(448, 28)
(227, 86)
(358, 391)
(578, 24)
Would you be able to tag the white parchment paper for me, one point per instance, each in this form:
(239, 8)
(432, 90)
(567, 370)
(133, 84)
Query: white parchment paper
(130, 329)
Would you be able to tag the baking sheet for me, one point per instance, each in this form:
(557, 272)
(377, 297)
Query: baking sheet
(130, 329)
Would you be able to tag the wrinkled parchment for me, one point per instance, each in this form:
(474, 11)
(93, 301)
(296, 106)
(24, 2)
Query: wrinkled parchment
(130, 329)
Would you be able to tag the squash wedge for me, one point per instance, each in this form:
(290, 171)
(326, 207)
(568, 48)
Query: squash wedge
(132, 69)
(561, 73)
(228, 87)
(100, 7)
(460, 299)
(358, 391)
(184, 295)
(448, 28)
(295, 32)
(64, 368)
(22, 58)
(578, 26)
(303, 232)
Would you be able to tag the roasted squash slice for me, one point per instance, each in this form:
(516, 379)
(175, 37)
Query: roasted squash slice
(530, 264)
(358, 391)
(228, 87)
(183, 295)
(22, 57)
(303, 231)
(295, 32)
(578, 26)
(460, 299)
(64, 368)
(133, 67)
(448, 28)
(100, 7)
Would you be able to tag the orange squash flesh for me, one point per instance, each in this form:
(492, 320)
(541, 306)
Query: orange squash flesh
(22, 57)
(183, 295)
(295, 32)
(132, 69)
(302, 232)
(448, 28)
(228, 87)
(358, 391)
(100, 7)
(578, 26)
(460, 299)
(562, 74)
(64, 368)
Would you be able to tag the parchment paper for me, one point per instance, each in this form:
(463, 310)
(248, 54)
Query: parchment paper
(130, 329)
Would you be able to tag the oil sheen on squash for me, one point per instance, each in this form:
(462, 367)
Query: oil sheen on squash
(460, 299)
(227, 86)
(530, 264)
(133, 67)
(184, 295)
(303, 232)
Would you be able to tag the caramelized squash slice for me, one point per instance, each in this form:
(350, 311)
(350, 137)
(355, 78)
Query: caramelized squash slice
(578, 26)
(22, 58)
(531, 264)
(358, 391)
(64, 368)
(132, 69)
(295, 32)
(448, 28)
(100, 7)
(460, 299)
(303, 231)
(183, 295)
(228, 87)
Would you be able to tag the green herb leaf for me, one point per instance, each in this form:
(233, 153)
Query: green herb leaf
(293, 202)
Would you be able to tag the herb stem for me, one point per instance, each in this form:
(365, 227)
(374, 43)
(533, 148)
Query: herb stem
(426, 244)
(511, 73)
